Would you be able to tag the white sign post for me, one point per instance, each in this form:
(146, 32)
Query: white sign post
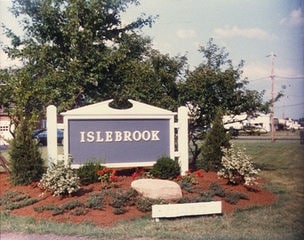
(182, 142)
(51, 126)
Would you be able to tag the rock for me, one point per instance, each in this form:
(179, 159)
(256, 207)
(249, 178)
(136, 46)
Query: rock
(157, 189)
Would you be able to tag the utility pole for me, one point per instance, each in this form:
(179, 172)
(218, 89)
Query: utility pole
(272, 55)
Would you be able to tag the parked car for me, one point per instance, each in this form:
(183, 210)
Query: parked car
(41, 136)
(37, 131)
(254, 130)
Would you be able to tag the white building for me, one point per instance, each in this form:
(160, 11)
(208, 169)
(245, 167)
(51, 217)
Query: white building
(261, 121)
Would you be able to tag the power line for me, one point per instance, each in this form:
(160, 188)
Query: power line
(257, 79)
(290, 77)
(291, 105)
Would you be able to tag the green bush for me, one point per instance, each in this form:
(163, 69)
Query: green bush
(87, 173)
(211, 150)
(60, 179)
(26, 163)
(165, 168)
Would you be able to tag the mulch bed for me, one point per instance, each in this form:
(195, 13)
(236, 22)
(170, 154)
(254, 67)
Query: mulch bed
(257, 197)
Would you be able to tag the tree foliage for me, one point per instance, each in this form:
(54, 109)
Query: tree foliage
(215, 83)
(77, 52)
(77, 47)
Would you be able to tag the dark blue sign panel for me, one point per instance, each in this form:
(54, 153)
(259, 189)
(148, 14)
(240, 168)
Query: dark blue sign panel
(118, 140)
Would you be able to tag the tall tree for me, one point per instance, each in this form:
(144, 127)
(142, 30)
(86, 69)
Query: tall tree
(154, 80)
(73, 46)
(215, 83)
(71, 51)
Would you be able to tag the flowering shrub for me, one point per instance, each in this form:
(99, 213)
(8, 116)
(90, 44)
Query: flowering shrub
(107, 175)
(60, 179)
(237, 167)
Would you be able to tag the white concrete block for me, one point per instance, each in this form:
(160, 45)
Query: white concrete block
(186, 209)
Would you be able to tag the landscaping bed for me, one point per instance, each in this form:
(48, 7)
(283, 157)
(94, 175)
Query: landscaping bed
(81, 207)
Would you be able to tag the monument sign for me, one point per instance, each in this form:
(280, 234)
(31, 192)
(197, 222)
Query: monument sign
(133, 137)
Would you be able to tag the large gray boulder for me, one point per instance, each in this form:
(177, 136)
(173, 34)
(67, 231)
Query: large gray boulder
(157, 189)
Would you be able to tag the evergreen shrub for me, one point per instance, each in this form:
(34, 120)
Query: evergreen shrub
(26, 163)
(87, 173)
(165, 168)
(212, 149)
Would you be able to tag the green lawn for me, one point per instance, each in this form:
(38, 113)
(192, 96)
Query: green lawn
(282, 163)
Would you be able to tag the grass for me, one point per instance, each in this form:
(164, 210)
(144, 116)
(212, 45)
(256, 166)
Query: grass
(282, 164)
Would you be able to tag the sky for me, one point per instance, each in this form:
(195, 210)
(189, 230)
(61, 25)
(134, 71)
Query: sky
(250, 30)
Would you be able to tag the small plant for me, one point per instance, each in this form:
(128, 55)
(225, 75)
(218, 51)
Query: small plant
(79, 211)
(237, 167)
(120, 210)
(106, 176)
(96, 201)
(14, 200)
(217, 189)
(145, 204)
(72, 204)
(204, 197)
(190, 178)
(60, 179)
(234, 197)
(184, 200)
(165, 168)
(186, 182)
(57, 210)
(123, 198)
(50, 207)
(139, 172)
(186, 186)
(87, 173)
